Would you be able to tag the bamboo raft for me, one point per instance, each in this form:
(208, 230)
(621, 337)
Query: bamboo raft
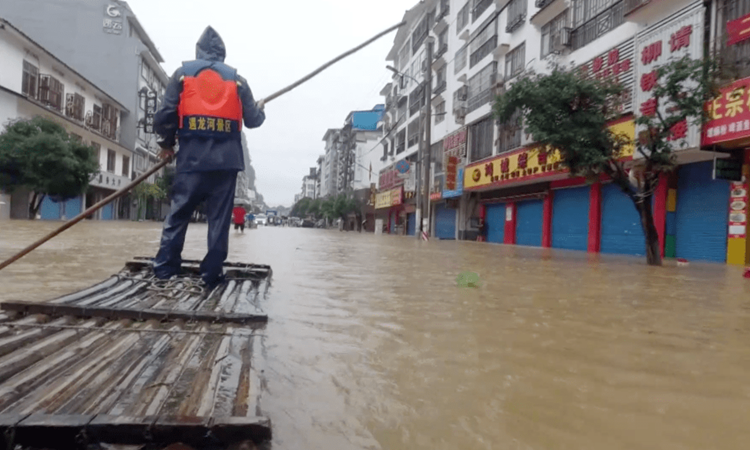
(136, 361)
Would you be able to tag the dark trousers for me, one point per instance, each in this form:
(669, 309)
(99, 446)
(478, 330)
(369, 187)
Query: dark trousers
(217, 189)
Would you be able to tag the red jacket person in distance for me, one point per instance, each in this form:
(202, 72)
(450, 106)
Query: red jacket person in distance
(205, 105)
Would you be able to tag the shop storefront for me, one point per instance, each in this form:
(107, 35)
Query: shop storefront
(711, 206)
(570, 221)
(528, 199)
(450, 188)
(389, 208)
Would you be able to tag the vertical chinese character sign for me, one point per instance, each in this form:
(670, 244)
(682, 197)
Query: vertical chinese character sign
(656, 46)
(454, 152)
(150, 111)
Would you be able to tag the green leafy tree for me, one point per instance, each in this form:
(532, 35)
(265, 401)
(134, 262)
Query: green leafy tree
(569, 112)
(145, 192)
(39, 155)
(301, 207)
(165, 182)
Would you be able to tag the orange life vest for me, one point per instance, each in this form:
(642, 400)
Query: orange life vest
(210, 105)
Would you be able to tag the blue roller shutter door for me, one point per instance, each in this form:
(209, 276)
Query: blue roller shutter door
(621, 225)
(529, 223)
(411, 220)
(445, 222)
(73, 207)
(702, 214)
(50, 209)
(494, 222)
(108, 212)
(393, 223)
(570, 218)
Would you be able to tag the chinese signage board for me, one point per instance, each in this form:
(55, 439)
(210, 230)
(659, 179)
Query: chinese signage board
(386, 199)
(459, 189)
(738, 209)
(729, 114)
(529, 163)
(680, 36)
(618, 64)
(454, 152)
(389, 177)
(150, 111)
(112, 23)
(738, 30)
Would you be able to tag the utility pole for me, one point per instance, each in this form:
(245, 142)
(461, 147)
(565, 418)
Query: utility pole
(426, 160)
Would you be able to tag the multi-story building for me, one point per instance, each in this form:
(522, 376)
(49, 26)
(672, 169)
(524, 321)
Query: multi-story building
(109, 46)
(35, 82)
(330, 172)
(309, 183)
(490, 175)
(352, 154)
(319, 178)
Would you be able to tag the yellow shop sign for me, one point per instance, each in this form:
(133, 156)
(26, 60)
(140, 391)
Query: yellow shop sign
(529, 163)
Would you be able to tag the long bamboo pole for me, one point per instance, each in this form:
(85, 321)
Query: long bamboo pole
(163, 163)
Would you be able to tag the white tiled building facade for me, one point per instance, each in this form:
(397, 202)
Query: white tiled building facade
(480, 48)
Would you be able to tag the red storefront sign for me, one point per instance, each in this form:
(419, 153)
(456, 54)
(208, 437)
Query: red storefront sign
(389, 178)
(397, 196)
(454, 150)
(738, 210)
(729, 114)
(738, 30)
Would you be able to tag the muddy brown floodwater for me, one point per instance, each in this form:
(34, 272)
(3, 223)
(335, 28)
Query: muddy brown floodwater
(371, 345)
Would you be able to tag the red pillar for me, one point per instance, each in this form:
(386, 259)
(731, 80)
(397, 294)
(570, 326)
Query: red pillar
(510, 225)
(595, 217)
(547, 220)
(660, 208)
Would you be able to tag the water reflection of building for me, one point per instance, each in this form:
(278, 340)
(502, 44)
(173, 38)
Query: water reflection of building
(104, 42)
(34, 82)
(489, 174)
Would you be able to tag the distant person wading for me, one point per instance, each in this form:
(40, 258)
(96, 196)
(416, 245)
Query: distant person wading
(204, 107)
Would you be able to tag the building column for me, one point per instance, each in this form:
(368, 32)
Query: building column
(660, 209)
(670, 217)
(595, 218)
(482, 220)
(547, 220)
(510, 223)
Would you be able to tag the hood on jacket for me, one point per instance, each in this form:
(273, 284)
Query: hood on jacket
(210, 46)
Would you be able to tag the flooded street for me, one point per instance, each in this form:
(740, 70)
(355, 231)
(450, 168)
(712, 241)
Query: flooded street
(371, 345)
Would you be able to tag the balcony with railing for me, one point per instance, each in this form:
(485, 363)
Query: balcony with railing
(440, 88)
(480, 6)
(485, 49)
(597, 26)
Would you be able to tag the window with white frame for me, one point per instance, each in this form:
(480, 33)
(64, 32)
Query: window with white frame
(440, 112)
(30, 83)
(480, 87)
(413, 132)
(463, 17)
(594, 18)
(481, 138)
(516, 14)
(111, 160)
(515, 61)
(551, 32)
(483, 43)
(460, 59)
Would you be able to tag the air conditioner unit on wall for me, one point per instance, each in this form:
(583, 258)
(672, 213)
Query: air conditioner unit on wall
(562, 40)
(462, 93)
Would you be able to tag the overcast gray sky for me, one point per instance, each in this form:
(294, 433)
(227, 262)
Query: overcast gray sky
(274, 43)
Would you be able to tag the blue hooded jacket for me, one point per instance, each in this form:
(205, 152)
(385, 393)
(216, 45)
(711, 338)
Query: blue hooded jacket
(196, 153)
